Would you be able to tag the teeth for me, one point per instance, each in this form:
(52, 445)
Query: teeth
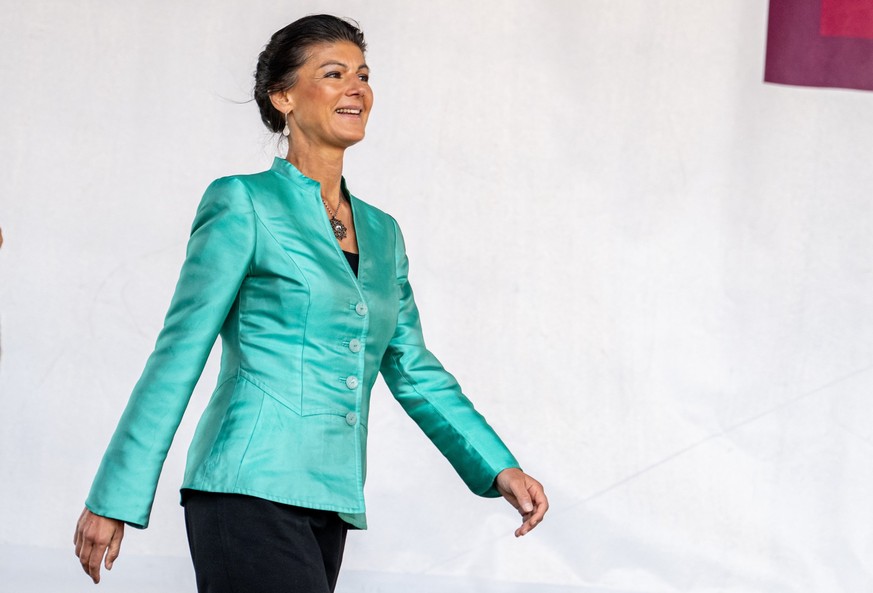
(351, 111)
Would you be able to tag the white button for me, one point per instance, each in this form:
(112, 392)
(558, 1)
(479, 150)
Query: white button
(351, 418)
(355, 345)
(352, 382)
(361, 309)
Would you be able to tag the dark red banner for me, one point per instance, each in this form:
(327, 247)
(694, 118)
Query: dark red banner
(827, 43)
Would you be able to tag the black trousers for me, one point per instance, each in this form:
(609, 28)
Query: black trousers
(243, 544)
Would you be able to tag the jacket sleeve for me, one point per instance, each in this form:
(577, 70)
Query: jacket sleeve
(218, 257)
(432, 397)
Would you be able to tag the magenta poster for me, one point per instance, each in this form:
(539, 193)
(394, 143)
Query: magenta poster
(824, 43)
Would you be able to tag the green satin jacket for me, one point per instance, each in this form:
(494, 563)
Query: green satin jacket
(302, 340)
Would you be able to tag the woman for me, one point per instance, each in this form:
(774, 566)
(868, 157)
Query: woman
(307, 286)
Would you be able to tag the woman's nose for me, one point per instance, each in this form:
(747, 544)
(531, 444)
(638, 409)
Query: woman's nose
(357, 87)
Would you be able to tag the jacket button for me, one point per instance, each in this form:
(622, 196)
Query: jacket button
(355, 345)
(351, 418)
(361, 309)
(352, 382)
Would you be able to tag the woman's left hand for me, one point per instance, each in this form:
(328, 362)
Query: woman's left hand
(525, 494)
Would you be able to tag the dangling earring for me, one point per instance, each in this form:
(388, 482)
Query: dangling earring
(287, 131)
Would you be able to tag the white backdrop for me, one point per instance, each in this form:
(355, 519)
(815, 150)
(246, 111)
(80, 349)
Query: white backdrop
(649, 270)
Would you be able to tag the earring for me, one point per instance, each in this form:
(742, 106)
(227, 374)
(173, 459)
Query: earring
(287, 131)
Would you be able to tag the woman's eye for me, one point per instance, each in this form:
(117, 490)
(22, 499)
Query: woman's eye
(332, 75)
(364, 77)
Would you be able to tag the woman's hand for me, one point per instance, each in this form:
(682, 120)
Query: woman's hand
(94, 535)
(525, 494)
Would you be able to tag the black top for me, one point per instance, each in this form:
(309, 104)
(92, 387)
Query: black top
(353, 260)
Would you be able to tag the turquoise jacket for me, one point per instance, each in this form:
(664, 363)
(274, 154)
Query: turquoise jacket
(302, 340)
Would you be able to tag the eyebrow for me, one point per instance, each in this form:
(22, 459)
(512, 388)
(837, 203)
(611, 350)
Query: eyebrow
(335, 63)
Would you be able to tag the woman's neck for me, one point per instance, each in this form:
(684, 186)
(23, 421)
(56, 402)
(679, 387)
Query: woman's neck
(323, 166)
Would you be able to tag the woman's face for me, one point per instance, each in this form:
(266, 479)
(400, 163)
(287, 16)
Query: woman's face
(331, 101)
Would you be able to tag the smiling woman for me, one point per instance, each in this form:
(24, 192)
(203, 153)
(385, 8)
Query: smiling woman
(332, 98)
(325, 112)
(307, 287)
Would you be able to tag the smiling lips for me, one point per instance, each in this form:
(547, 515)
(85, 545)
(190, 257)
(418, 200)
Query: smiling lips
(349, 111)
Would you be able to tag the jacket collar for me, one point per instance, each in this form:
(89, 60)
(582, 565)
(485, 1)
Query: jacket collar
(289, 171)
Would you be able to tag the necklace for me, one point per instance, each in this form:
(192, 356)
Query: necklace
(339, 229)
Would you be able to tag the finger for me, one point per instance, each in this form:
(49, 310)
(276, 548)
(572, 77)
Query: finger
(541, 505)
(76, 536)
(527, 525)
(81, 542)
(519, 491)
(94, 560)
(91, 554)
(84, 554)
(114, 548)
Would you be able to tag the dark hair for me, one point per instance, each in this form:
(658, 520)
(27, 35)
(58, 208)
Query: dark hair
(288, 49)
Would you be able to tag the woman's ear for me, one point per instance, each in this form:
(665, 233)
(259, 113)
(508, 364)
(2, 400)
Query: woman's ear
(282, 101)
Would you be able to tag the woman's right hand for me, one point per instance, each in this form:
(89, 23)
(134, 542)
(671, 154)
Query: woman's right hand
(94, 535)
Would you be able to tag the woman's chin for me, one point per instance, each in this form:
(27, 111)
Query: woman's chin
(351, 139)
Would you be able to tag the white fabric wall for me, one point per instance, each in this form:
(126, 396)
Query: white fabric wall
(649, 270)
